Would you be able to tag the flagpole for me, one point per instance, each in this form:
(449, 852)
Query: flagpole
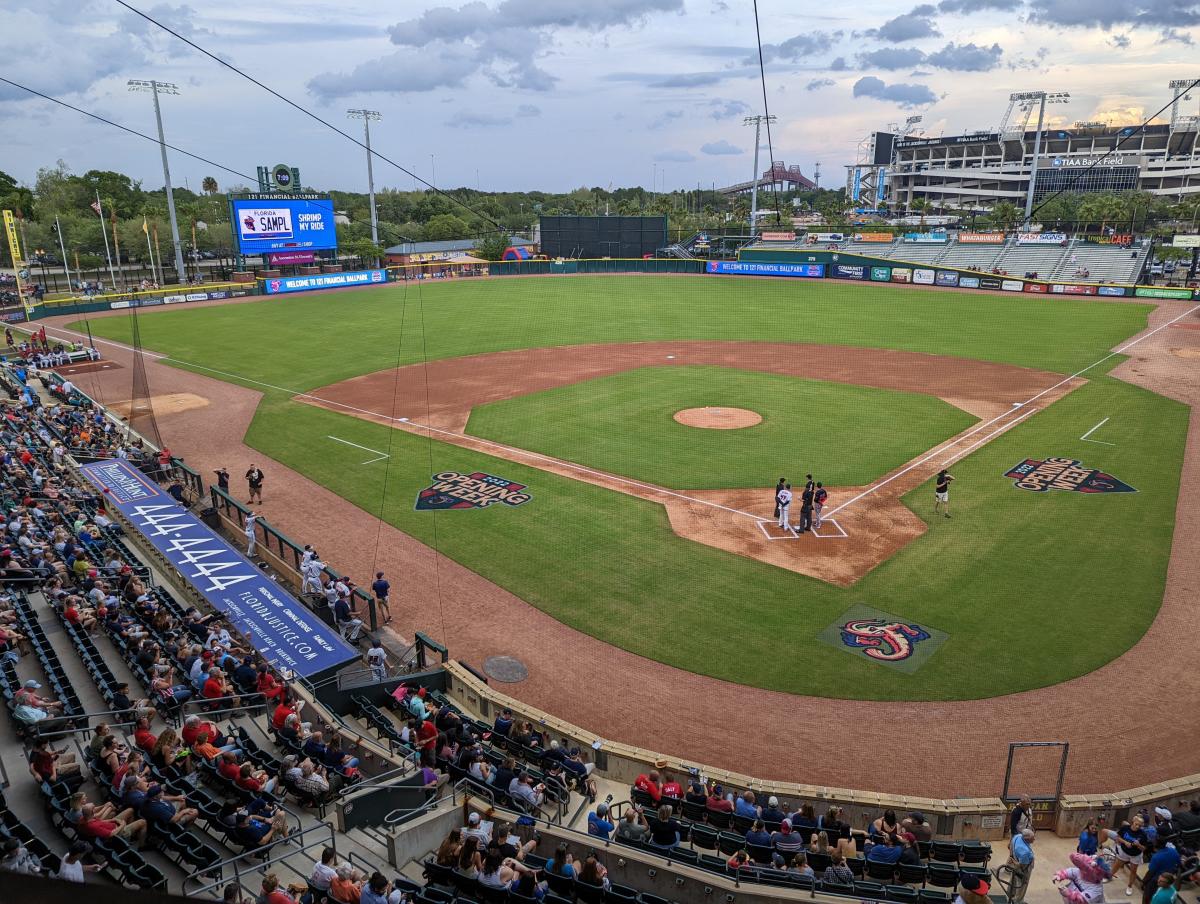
(63, 248)
(117, 248)
(104, 232)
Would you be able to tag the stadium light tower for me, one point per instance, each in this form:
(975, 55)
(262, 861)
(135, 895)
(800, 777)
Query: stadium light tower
(1041, 98)
(757, 122)
(366, 116)
(154, 89)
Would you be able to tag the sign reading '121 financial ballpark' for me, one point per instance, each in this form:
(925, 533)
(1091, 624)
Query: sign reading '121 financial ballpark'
(283, 630)
(766, 268)
(284, 284)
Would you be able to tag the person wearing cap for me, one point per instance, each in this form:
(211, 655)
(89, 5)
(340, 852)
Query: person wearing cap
(909, 855)
(916, 824)
(479, 828)
(598, 823)
(72, 868)
(716, 801)
(1164, 822)
(161, 810)
(771, 813)
(28, 696)
(1021, 816)
(973, 889)
(786, 842)
(1164, 860)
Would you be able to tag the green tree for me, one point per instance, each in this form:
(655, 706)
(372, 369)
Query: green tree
(445, 226)
(492, 247)
(364, 249)
(209, 185)
(1005, 216)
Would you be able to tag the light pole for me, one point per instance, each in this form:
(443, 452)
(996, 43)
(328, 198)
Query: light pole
(154, 88)
(366, 116)
(757, 122)
(1028, 98)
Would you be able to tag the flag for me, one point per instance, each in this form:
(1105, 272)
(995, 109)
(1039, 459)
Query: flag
(95, 205)
(145, 226)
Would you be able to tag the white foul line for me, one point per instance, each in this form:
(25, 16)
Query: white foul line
(382, 455)
(1093, 430)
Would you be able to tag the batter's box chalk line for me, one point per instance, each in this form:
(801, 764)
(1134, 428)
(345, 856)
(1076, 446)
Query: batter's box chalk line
(793, 535)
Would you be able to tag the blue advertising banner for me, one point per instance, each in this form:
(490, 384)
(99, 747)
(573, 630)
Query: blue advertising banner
(281, 628)
(323, 281)
(278, 222)
(925, 238)
(946, 278)
(753, 268)
(849, 271)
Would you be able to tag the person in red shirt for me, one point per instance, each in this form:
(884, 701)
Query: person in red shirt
(283, 710)
(717, 802)
(90, 826)
(194, 725)
(143, 737)
(267, 685)
(672, 788)
(427, 743)
(254, 781)
(228, 766)
(272, 893)
(651, 784)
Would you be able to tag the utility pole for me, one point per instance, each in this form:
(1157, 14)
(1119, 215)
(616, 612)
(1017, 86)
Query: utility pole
(817, 175)
(62, 246)
(756, 121)
(366, 116)
(154, 88)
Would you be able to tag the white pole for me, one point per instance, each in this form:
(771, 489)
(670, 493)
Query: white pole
(754, 185)
(112, 274)
(1033, 168)
(63, 248)
(150, 248)
(371, 181)
(180, 272)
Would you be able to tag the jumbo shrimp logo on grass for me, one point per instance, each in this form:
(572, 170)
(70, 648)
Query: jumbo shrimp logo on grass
(452, 490)
(883, 638)
(1039, 475)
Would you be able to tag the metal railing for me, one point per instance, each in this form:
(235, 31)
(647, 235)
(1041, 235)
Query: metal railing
(321, 835)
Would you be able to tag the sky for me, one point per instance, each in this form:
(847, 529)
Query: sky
(558, 94)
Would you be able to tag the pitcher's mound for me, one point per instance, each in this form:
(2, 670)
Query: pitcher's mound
(170, 403)
(718, 418)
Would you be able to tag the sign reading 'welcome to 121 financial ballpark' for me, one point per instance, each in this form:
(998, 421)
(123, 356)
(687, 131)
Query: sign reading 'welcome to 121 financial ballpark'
(283, 284)
(282, 629)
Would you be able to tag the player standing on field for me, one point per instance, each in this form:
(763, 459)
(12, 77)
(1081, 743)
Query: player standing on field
(806, 507)
(820, 497)
(779, 486)
(783, 502)
(941, 491)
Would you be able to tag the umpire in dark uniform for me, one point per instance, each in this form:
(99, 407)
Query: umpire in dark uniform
(806, 506)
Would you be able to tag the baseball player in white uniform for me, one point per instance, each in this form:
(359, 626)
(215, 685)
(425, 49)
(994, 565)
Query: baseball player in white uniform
(312, 575)
(251, 537)
(784, 498)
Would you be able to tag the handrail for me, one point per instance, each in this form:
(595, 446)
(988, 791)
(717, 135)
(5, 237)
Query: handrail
(373, 783)
(399, 815)
(289, 843)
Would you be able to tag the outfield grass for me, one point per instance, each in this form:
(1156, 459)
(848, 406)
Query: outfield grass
(1032, 588)
(623, 424)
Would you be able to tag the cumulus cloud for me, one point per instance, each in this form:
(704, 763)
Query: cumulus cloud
(1121, 42)
(674, 157)
(800, 46)
(719, 148)
(891, 58)
(469, 120)
(501, 43)
(818, 83)
(665, 118)
(1109, 13)
(904, 95)
(688, 80)
(911, 26)
(727, 109)
(966, 57)
(1174, 34)
(966, 7)
(839, 64)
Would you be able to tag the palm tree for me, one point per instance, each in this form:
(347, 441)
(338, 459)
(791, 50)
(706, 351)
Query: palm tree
(209, 185)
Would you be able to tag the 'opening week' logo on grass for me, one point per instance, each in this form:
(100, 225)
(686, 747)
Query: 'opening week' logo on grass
(452, 490)
(883, 638)
(1040, 475)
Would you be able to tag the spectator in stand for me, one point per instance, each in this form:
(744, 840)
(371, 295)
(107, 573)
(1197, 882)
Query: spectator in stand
(1021, 861)
(286, 707)
(266, 683)
(1131, 846)
(72, 868)
(717, 802)
(524, 790)
(123, 825)
(1165, 861)
(18, 859)
(1021, 816)
(886, 851)
(759, 835)
(598, 822)
(255, 780)
(593, 872)
(143, 738)
(1089, 839)
(838, 871)
(787, 842)
(478, 827)
(885, 825)
(916, 824)
(377, 890)
(666, 831)
(650, 784)
(346, 887)
(771, 813)
(909, 855)
(50, 766)
(504, 723)
(746, 806)
(272, 893)
(696, 793)
(633, 828)
(130, 709)
(161, 810)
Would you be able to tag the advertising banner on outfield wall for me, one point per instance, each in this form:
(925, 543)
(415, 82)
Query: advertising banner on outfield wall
(778, 237)
(849, 271)
(814, 237)
(1011, 285)
(923, 277)
(323, 281)
(1036, 287)
(1112, 291)
(990, 282)
(981, 238)
(1041, 238)
(765, 268)
(902, 274)
(881, 274)
(879, 237)
(1162, 292)
(969, 282)
(947, 278)
(281, 628)
(926, 238)
(1063, 289)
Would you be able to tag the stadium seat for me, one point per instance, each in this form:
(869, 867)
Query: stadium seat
(881, 872)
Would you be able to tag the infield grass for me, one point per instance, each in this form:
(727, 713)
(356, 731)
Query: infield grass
(624, 424)
(1032, 588)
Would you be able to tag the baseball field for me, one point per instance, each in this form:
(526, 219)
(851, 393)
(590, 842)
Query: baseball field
(658, 536)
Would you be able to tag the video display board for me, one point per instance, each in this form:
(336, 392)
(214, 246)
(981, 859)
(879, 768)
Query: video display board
(266, 222)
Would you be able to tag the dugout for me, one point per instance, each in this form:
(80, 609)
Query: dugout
(597, 237)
